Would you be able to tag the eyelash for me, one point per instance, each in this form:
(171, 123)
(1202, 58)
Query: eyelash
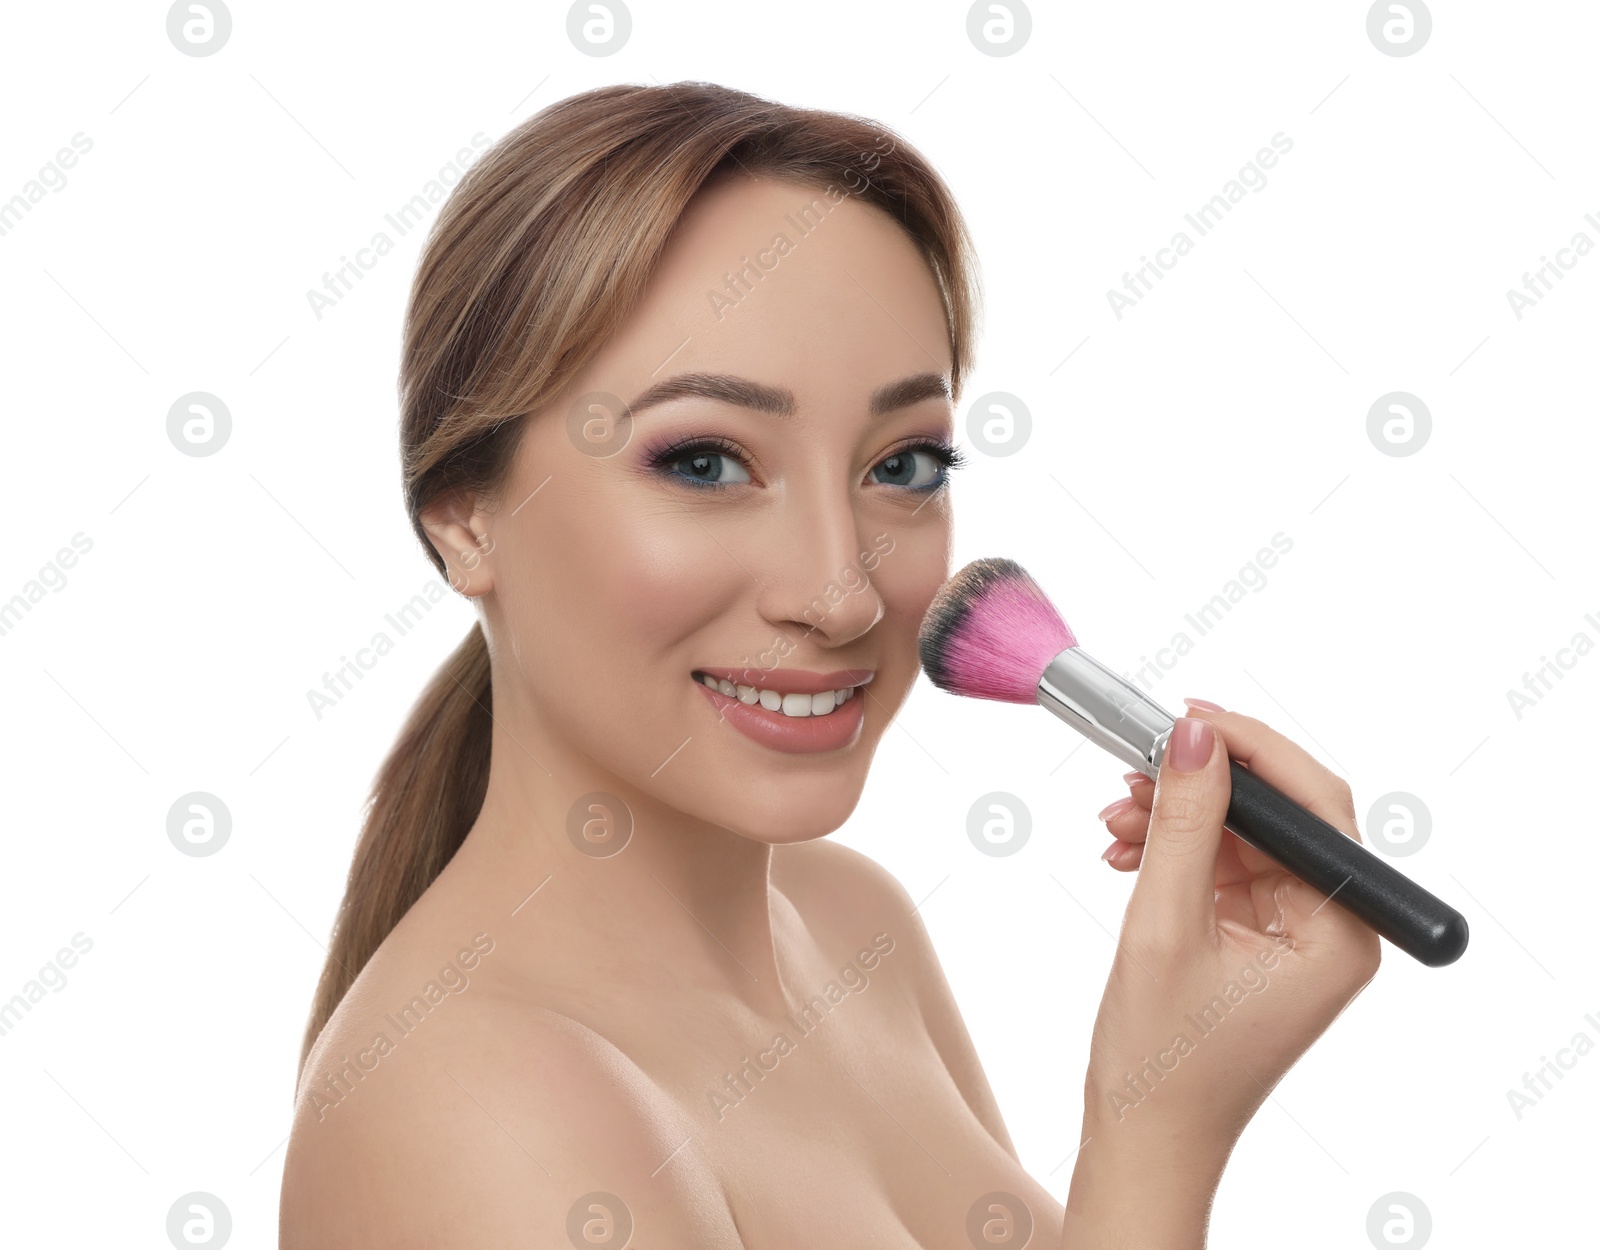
(949, 458)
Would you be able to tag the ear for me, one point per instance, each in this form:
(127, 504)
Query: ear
(459, 531)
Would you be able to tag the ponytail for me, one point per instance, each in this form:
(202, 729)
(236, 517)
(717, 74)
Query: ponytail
(424, 800)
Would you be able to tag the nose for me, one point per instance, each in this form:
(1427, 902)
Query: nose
(818, 582)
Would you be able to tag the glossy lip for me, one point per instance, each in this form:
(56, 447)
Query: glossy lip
(791, 680)
(839, 729)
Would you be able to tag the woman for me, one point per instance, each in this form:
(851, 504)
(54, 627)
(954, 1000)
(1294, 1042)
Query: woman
(680, 368)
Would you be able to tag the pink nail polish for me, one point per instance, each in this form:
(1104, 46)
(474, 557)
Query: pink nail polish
(1205, 703)
(1190, 745)
(1109, 851)
(1134, 778)
(1115, 809)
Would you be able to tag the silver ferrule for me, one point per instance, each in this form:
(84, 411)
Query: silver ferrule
(1106, 709)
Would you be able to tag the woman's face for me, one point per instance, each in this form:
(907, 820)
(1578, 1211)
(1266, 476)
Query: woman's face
(800, 332)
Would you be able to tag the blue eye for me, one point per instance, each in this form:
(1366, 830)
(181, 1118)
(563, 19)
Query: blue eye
(712, 463)
(902, 469)
(707, 464)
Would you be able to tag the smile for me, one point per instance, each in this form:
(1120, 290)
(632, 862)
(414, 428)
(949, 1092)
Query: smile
(792, 710)
(795, 703)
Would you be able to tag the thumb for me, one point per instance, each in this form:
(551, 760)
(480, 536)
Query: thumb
(1175, 891)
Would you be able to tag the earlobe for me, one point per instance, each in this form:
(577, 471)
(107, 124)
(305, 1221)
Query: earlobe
(464, 542)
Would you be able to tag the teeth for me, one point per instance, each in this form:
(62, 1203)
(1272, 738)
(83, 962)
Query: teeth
(819, 704)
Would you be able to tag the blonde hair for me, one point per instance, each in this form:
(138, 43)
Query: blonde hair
(539, 254)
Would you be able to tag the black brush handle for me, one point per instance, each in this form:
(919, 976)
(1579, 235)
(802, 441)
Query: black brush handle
(1329, 860)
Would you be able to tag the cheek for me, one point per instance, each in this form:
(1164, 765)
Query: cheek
(615, 576)
(911, 564)
(666, 575)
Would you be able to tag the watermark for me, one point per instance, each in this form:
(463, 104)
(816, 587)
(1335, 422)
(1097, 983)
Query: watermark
(198, 424)
(738, 285)
(198, 823)
(341, 1080)
(599, 1221)
(1538, 284)
(402, 221)
(1398, 424)
(999, 1219)
(52, 177)
(1539, 683)
(848, 582)
(1539, 1082)
(998, 823)
(1399, 29)
(199, 1219)
(599, 824)
(199, 29)
(52, 977)
(1399, 1219)
(1203, 1022)
(1251, 579)
(999, 29)
(51, 578)
(999, 424)
(1251, 178)
(851, 980)
(1398, 824)
(597, 28)
(342, 680)
(599, 424)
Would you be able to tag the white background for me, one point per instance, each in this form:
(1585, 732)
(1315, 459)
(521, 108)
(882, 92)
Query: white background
(1167, 448)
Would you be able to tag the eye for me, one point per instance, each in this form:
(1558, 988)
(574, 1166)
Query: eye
(921, 466)
(705, 463)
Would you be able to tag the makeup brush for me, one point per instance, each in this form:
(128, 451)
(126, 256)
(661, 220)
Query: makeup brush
(991, 633)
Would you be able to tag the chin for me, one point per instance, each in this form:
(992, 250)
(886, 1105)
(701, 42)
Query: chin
(788, 828)
(792, 807)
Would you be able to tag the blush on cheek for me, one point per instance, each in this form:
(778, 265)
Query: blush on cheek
(654, 578)
(908, 573)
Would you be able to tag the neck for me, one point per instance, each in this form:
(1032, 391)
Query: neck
(564, 855)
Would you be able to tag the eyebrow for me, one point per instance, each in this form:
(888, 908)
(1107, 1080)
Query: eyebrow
(779, 402)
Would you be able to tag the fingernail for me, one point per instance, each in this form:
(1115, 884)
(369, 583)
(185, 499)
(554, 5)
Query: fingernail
(1190, 745)
(1134, 777)
(1115, 809)
(1110, 850)
(1205, 703)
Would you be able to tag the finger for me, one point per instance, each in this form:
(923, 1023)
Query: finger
(1124, 856)
(1126, 819)
(1129, 816)
(1130, 823)
(1173, 895)
(1131, 828)
(1238, 904)
(1287, 766)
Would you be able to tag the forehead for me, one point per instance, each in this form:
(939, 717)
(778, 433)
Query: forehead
(798, 285)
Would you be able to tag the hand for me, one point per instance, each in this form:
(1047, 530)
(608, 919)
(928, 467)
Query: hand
(1227, 969)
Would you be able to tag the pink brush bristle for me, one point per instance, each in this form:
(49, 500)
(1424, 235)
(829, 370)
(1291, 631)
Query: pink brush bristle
(990, 632)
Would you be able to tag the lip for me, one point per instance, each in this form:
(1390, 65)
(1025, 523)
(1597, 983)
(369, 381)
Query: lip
(795, 735)
(790, 680)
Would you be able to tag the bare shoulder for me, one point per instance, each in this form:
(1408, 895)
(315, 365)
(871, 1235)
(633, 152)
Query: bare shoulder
(841, 892)
(493, 1122)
